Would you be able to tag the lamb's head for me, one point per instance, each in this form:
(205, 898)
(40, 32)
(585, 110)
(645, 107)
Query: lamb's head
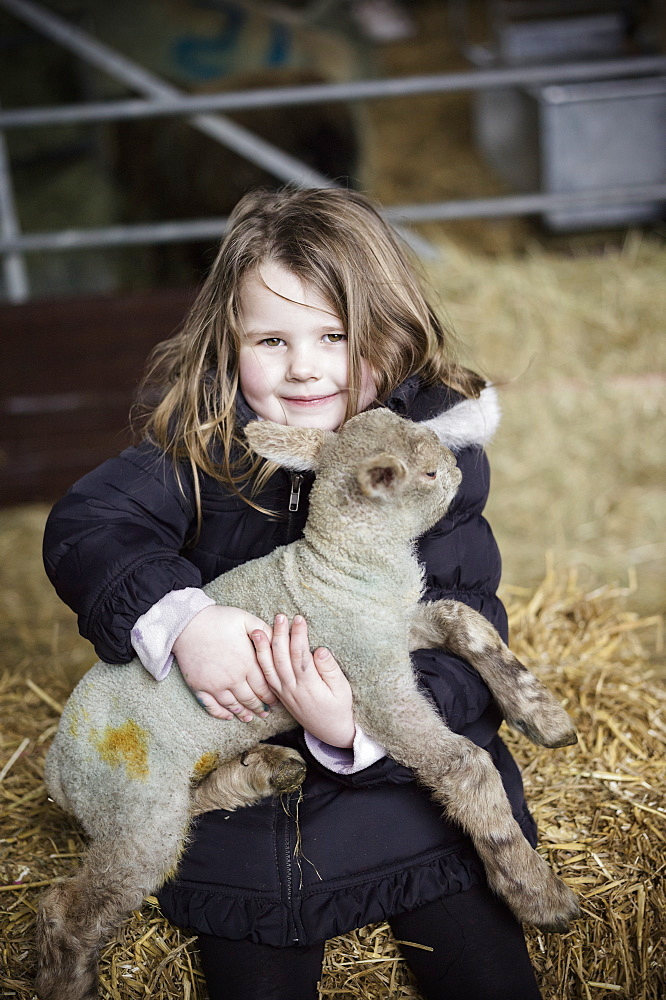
(377, 461)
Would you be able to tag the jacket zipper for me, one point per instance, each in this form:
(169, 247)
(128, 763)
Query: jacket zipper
(296, 481)
(288, 877)
(295, 495)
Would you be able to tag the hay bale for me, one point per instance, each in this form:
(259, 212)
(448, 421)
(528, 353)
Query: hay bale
(577, 344)
(600, 806)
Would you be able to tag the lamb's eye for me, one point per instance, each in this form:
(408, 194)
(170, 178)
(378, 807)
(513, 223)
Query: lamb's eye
(431, 475)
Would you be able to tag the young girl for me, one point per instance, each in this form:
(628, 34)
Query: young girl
(310, 314)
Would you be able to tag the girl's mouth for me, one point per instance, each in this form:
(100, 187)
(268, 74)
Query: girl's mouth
(308, 401)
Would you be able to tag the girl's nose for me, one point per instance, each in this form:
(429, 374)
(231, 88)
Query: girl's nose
(302, 366)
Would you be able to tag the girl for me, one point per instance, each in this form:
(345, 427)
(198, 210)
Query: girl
(310, 314)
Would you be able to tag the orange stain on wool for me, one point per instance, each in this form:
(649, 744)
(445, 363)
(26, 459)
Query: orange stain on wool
(126, 744)
(206, 763)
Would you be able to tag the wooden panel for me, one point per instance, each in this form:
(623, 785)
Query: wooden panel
(70, 368)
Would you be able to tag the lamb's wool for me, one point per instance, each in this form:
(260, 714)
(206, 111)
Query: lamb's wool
(127, 748)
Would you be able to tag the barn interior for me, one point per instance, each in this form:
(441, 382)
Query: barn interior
(559, 302)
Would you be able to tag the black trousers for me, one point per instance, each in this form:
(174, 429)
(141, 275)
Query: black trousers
(479, 953)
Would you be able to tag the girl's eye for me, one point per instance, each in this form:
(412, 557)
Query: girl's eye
(334, 338)
(272, 341)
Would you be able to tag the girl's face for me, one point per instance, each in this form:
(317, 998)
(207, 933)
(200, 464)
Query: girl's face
(293, 355)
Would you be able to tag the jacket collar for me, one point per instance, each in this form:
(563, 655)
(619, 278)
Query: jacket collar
(402, 397)
(244, 412)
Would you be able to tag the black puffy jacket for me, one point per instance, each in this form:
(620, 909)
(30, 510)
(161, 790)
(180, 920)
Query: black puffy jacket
(371, 844)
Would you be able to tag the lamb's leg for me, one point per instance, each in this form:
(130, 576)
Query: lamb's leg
(465, 781)
(77, 916)
(526, 703)
(264, 770)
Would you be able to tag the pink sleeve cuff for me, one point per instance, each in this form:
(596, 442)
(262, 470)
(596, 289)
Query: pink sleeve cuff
(155, 632)
(341, 760)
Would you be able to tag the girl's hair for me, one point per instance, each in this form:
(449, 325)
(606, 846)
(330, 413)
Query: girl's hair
(335, 240)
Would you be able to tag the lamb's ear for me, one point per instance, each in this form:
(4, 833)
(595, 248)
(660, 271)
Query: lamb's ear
(294, 448)
(380, 475)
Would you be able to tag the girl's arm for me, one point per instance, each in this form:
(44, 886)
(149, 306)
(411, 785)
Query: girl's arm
(112, 546)
(112, 550)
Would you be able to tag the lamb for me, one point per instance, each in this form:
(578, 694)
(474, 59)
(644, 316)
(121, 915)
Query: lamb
(134, 761)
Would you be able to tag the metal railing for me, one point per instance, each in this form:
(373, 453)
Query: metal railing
(161, 99)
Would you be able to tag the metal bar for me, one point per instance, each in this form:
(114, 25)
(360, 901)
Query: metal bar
(525, 204)
(199, 229)
(527, 8)
(263, 97)
(13, 264)
(241, 140)
(113, 236)
(223, 130)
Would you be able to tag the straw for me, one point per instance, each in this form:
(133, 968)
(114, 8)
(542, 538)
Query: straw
(600, 807)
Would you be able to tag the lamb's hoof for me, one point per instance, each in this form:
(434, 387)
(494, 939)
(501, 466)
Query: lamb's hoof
(284, 768)
(66, 965)
(550, 730)
(558, 919)
(290, 776)
(48, 988)
(548, 903)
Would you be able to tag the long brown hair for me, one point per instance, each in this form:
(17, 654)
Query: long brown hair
(335, 240)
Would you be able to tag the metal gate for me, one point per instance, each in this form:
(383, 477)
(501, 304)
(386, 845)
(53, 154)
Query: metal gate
(206, 113)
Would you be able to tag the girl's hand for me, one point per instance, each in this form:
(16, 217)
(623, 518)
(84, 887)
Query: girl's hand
(219, 664)
(311, 686)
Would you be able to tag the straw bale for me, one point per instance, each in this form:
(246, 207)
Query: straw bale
(576, 344)
(600, 806)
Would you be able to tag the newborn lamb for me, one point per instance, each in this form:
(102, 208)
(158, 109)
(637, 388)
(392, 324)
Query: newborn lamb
(134, 760)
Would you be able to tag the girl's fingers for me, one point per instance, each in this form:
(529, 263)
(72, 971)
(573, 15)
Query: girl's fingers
(262, 648)
(264, 654)
(212, 706)
(301, 657)
(330, 671)
(281, 650)
(245, 703)
(325, 662)
(287, 655)
(226, 702)
(281, 643)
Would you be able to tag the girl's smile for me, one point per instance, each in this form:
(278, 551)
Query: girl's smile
(307, 400)
(293, 362)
